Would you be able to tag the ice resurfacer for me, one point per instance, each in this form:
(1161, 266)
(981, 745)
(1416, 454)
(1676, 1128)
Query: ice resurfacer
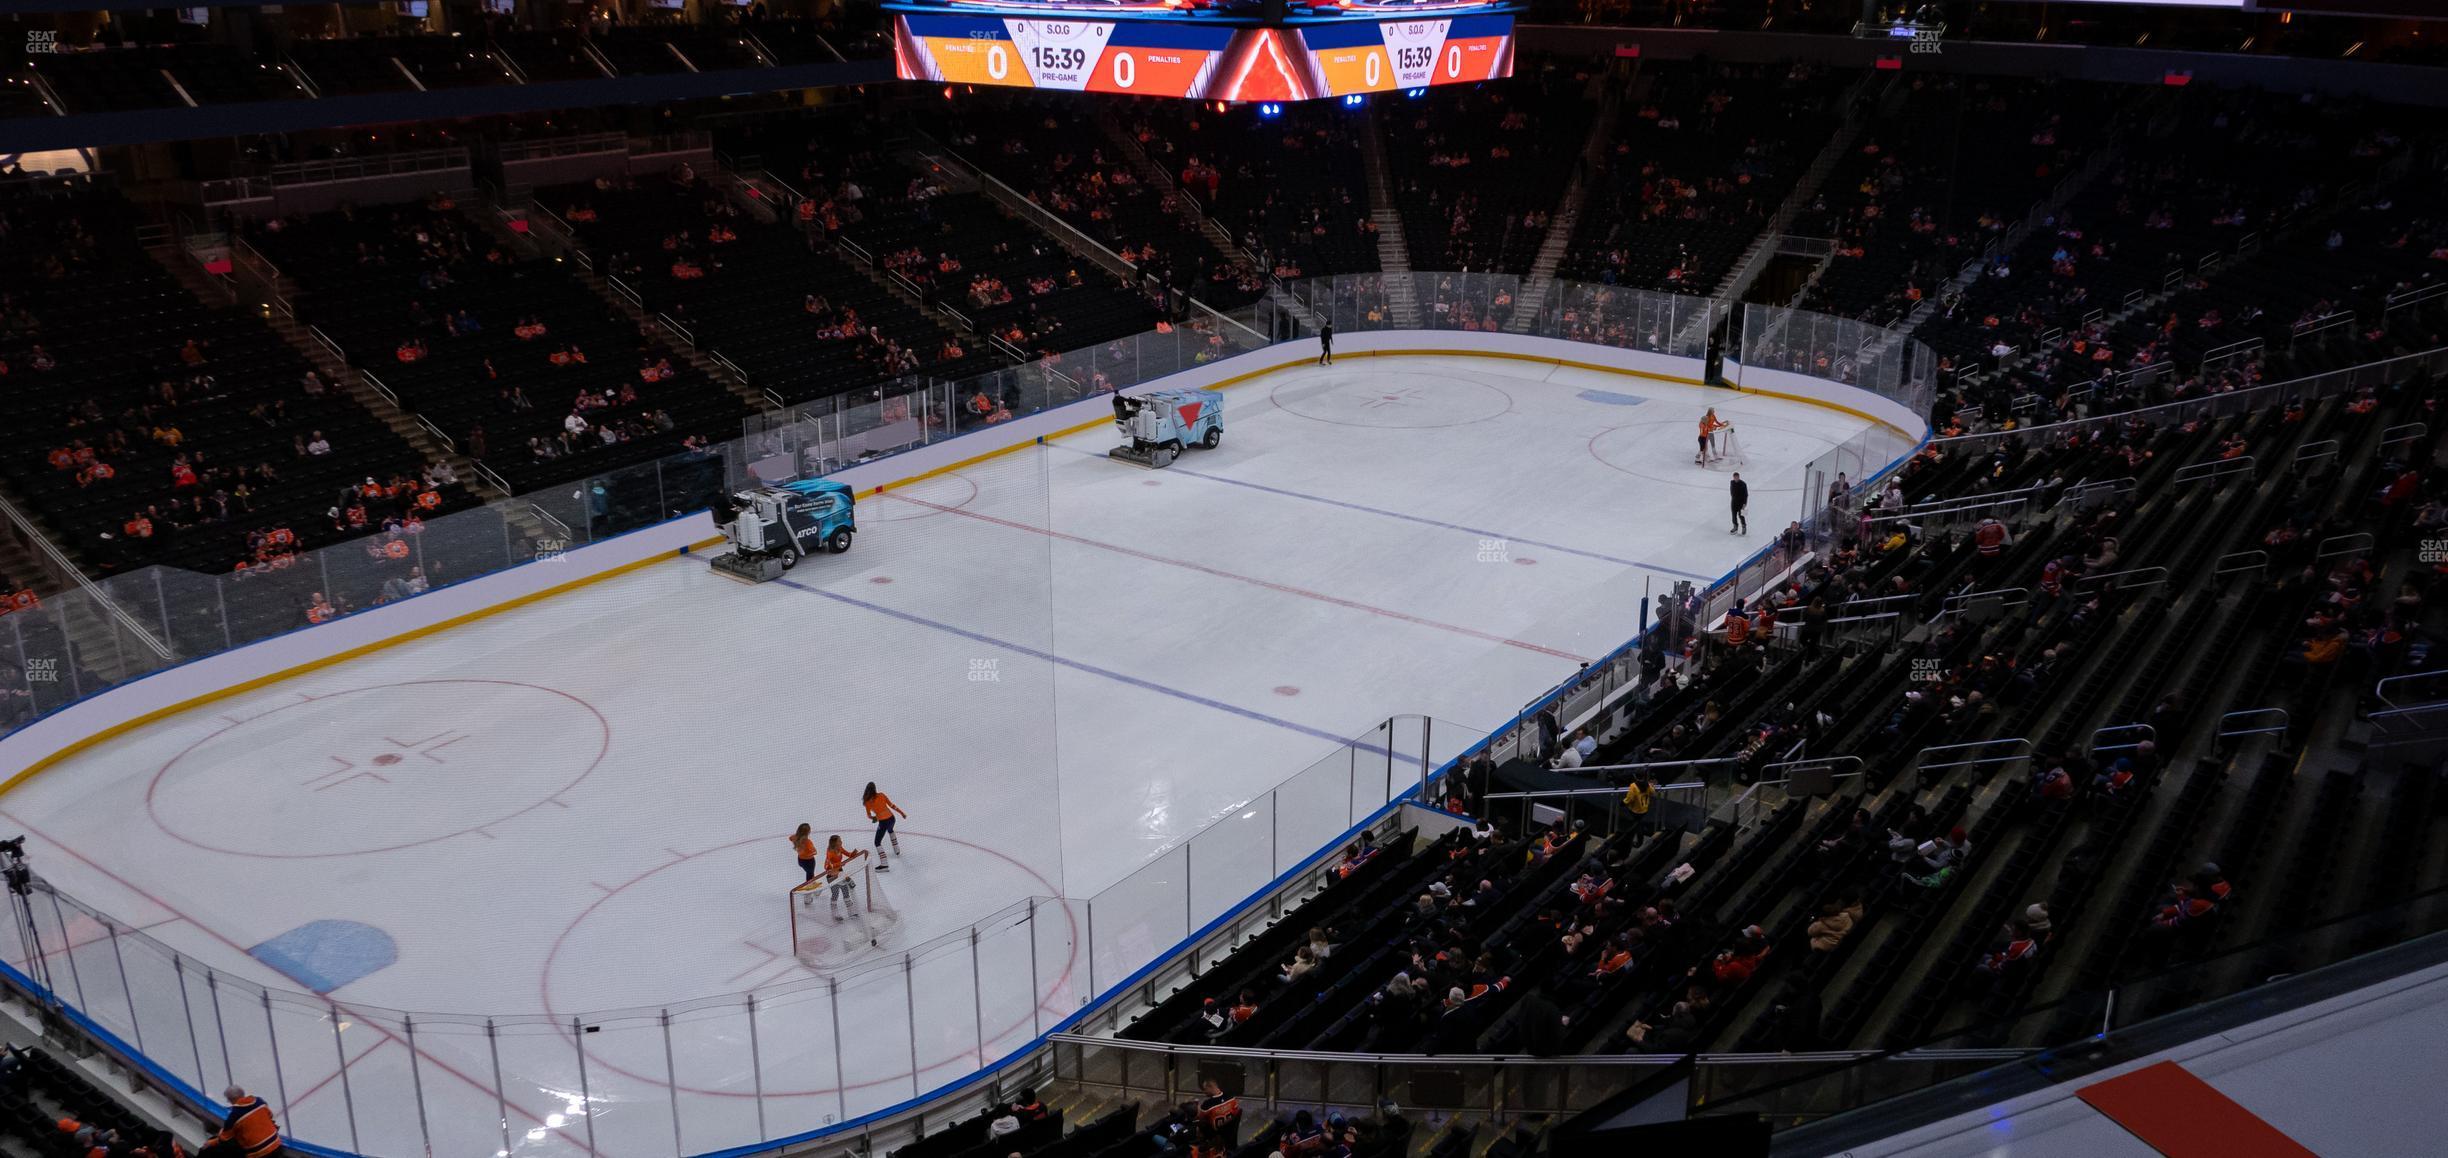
(1158, 424)
(771, 527)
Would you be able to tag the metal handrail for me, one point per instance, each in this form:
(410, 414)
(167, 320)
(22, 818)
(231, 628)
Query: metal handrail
(376, 385)
(324, 340)
(2215, 468)
(2380, 690)
(1612, 792)
(491, 477)
(1953, 604)
(2428, 717)
(345, 169)
(2414, 297)
(2027, 748)
(1500, 1061)
(1877, 601)
(562, 146)
(1712, 760)
(2321, 324)
(435, 433)
(2227, 730)
(64, 570)
(549, 518)
(2089, 582)
(2233, 349)
(1846, 765)
(677, 330)
(2346, 544)
(2150, 735)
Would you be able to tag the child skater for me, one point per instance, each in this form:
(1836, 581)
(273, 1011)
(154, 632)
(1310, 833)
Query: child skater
(840, 884)
(803, 842)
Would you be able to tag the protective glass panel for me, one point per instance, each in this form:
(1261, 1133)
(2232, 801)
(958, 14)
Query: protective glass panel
(799, 1043)
(1132, 922)
(717, 1075)
(1230, 859)
(945, 1031)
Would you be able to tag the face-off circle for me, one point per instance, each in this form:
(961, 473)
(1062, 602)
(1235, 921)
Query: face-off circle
(1401, 401)
(378, 768)
(1660, 450)
(732, 903)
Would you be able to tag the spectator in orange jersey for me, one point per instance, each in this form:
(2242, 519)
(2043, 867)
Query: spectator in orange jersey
(249, 1130)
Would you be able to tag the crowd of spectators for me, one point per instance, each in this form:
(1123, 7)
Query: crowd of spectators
(1290, 191)
(2236, 223)
(1948, 166)
(173, 432)
(1476, 171)
(1933, 900)
(523, 365)
(1701, 154)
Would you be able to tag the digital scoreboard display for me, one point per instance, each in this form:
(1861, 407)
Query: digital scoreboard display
(1176, 54)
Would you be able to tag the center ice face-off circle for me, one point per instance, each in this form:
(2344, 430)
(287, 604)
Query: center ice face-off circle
(378, 768)
(1400, 401)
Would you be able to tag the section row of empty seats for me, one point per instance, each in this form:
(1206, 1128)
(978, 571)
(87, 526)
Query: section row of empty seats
(151, 428)
(524, 366)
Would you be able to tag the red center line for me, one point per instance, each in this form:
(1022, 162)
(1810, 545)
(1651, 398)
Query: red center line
(241, 950)
(333, 1076)
(72, 947)
(1235, 576)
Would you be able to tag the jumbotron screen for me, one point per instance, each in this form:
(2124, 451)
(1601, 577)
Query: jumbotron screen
(1170, 53)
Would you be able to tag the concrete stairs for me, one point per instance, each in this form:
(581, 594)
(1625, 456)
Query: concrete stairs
(884, 279)
(1393, 251)
(250, 282)
(1193, 214)
(1857, 102)
(932, 156)
(18, 569)
(621, 298)
(2157, 110)
(1539, 283)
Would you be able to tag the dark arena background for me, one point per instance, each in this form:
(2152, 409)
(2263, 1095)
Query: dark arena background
(1231, 578)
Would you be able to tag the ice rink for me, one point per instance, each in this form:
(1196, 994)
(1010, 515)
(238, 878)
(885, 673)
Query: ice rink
(1061, 666)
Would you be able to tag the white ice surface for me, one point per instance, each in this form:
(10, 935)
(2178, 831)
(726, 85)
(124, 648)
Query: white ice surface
(1060, 665)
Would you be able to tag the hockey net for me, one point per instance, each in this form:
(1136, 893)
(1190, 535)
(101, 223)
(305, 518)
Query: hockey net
(833, 925)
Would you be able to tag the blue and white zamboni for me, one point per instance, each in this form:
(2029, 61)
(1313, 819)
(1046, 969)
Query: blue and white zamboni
(772, 527)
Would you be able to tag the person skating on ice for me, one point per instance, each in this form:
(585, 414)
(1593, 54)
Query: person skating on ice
(1740, 492)
(1326, 344)
(1710, 424)
(803, 842)
(838, 882)
(882, 810)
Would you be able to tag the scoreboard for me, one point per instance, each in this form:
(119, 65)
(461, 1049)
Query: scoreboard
(1202, 54)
